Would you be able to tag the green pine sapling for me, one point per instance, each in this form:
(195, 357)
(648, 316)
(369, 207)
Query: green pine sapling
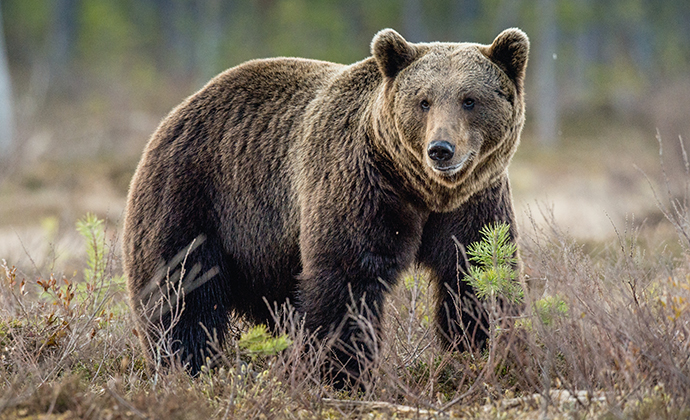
(493, 275)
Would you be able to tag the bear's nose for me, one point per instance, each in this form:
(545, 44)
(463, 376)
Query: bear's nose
(440, 151)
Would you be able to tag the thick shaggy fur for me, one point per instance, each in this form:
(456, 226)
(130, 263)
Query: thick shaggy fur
(312, 181)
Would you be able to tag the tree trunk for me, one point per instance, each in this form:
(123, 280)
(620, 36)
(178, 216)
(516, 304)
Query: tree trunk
(546, 105)
(6, 110)
(62, 43)
(413, 26)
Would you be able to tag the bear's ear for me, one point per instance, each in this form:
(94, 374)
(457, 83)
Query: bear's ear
(391, 52)
(509, 51)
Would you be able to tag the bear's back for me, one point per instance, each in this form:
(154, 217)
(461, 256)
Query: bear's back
(216, 156)
(245, 99)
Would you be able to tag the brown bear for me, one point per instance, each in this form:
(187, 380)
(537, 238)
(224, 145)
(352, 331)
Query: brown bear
(318, 183)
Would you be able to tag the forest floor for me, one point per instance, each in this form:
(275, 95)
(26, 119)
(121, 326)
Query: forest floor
(606, 332)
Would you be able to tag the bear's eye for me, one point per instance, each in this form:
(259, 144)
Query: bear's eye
(424, 105)
(468, 103)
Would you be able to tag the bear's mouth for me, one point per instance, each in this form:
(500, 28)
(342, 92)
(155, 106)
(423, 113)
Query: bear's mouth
(451, 170)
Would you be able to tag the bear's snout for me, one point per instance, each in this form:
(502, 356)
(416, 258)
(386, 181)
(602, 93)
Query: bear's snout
(445, 159)
(440, 151)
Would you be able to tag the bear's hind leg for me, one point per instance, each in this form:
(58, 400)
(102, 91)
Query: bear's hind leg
(190, 318)
(202, 326)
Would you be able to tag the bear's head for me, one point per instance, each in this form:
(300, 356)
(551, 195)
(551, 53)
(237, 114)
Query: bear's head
(456, 110)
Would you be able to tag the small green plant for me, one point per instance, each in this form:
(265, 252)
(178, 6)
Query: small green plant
(550, 308)
(493, 277)
(91, 228)
(495, 256)
(73, 300)
(547, 311)
(258, 342)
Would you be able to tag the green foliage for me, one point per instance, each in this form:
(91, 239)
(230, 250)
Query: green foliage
(258, 342)
(91, 228)
(494, 256)
(102, 286)
(549, 308)
(149, 33)
(95, 286)
(417, 289)
(409, 282)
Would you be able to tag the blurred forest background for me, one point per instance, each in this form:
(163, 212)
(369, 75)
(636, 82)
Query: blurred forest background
(83, 84)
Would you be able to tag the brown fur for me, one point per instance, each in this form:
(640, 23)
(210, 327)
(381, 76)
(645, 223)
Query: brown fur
(312, 181)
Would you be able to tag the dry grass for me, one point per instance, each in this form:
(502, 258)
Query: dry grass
(605, 333)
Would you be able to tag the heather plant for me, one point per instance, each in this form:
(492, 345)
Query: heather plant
(64, 309)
